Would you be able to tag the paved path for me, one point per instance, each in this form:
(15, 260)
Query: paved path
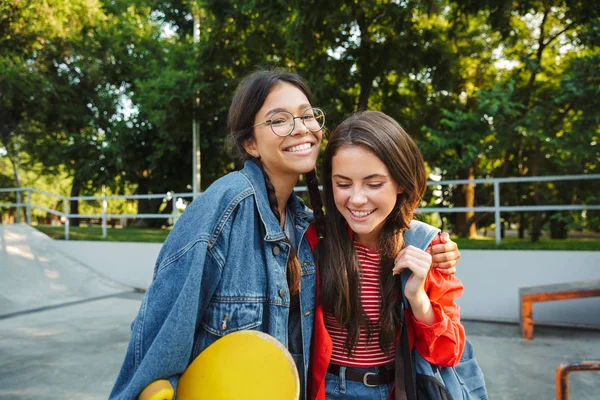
(64, 336)
(36, 275)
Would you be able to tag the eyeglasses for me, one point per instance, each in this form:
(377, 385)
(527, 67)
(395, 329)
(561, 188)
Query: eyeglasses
(282, 123)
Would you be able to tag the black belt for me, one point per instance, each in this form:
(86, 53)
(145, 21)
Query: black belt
(371, 379)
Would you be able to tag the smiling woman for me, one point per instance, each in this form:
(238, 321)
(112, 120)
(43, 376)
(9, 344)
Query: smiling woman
(285, 149)
(238, 257)
(364, 192)
(374, 178)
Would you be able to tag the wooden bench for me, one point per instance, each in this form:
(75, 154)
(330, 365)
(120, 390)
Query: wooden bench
(562, 375)
(561, 291)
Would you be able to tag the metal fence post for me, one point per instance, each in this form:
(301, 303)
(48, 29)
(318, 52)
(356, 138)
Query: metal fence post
(67, 219)
(18, 208)
(497, 210)
(175, 211)
(104, 207)
(28, 216)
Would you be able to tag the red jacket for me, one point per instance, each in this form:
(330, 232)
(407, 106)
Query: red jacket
(441, 344)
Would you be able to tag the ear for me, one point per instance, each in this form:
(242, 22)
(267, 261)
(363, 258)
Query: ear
(400, 190)
(250, 147)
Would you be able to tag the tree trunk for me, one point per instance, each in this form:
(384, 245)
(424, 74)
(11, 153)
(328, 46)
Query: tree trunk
(365, 71)
(150, 206)
(522, 224)
(558, 229)
(466, 198)
(536, 226)
(74, 204)
(15, 161)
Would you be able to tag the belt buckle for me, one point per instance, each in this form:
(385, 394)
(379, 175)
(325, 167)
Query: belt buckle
(365, 376)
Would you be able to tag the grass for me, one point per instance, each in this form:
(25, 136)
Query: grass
(479, 243)
(113, 234)
(513, 243)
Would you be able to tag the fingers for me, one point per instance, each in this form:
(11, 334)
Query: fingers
(445, 251)
(450, 255)
(418, 261)
(445, 268)
(445, 256)
(445, 237)
(445, 265)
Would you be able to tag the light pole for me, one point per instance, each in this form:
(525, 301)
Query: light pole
(196, 155)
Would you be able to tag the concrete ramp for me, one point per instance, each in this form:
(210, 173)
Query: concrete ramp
(35, 275)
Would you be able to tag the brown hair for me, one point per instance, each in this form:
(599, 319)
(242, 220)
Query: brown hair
(339, 266)
(247, 101)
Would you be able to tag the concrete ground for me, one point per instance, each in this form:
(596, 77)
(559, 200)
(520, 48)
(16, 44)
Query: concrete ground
(72, 347)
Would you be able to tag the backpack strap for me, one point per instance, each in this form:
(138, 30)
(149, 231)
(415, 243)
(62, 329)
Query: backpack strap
(420, 236)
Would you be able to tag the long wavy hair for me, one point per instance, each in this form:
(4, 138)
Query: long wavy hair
(247, 101)
(340, 270)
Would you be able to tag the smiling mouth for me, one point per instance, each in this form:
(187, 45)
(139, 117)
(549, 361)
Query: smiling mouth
(360, 214)
(300, 147)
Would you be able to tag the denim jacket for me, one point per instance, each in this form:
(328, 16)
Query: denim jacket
(222, 269)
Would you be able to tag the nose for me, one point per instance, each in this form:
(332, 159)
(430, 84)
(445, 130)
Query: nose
(299, 127)
(358, 198)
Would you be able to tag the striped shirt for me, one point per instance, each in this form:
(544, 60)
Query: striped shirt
(366, 353)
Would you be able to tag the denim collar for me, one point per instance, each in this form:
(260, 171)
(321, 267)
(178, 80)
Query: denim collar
(256, 178)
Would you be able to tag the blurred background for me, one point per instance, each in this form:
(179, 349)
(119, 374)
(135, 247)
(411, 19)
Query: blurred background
(124, 97)
(113, 114)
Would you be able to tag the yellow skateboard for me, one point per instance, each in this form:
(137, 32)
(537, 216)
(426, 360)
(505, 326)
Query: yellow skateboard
(244, 365)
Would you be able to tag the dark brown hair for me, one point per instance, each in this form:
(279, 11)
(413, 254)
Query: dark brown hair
(339, 267)
(247, 101)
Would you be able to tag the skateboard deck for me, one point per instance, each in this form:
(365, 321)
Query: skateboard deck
(244, 365)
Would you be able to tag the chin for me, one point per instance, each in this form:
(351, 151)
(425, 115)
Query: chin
(307, 167)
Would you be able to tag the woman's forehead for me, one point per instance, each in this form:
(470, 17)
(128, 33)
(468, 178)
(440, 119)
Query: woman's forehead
(357, 161)
(284, 97)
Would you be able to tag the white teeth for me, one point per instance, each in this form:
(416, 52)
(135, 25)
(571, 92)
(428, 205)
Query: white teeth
(360, 214)
(300, 147)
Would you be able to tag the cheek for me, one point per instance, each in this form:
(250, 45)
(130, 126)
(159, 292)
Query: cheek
(338, 197)
(391, 199)
(319, 136)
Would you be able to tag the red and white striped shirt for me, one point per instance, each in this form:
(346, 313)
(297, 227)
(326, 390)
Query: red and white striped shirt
(365, 353)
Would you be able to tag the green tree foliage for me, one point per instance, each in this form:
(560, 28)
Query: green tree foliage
(105, 90)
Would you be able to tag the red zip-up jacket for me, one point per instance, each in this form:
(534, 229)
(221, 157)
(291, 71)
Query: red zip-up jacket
(441, 343)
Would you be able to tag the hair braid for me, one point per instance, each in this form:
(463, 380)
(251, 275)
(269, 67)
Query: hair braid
(293, 265)
(312, 182)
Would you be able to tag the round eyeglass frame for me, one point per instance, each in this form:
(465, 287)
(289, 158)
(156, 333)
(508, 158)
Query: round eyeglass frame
(293, 124)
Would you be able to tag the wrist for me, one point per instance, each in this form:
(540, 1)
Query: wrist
(418, 300)
(420, 306)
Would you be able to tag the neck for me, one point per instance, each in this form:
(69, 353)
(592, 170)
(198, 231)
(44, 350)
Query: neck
(284, 186)
(371, 242)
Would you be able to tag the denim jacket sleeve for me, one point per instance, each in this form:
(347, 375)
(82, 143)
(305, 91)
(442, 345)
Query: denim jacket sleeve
(162, 334)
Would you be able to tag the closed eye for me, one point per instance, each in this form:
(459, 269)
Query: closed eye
(375, 185)
(278, 121)
(342, 185)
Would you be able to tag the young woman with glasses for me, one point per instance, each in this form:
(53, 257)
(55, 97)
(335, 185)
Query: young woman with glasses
(238, 257)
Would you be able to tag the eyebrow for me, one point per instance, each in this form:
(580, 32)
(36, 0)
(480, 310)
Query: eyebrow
(301, 107)
(372, 176)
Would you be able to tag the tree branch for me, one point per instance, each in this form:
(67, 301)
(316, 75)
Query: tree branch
(568, 27)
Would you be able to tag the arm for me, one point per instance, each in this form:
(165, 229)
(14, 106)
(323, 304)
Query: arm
(442, 342)
(433, 313)
(162, 334)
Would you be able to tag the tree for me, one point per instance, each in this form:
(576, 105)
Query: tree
(541, 37)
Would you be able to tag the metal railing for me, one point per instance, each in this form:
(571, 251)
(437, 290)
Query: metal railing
(497, 209)
(103, 216)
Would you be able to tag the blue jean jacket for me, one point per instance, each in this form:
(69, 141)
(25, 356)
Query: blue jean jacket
(222, 269)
